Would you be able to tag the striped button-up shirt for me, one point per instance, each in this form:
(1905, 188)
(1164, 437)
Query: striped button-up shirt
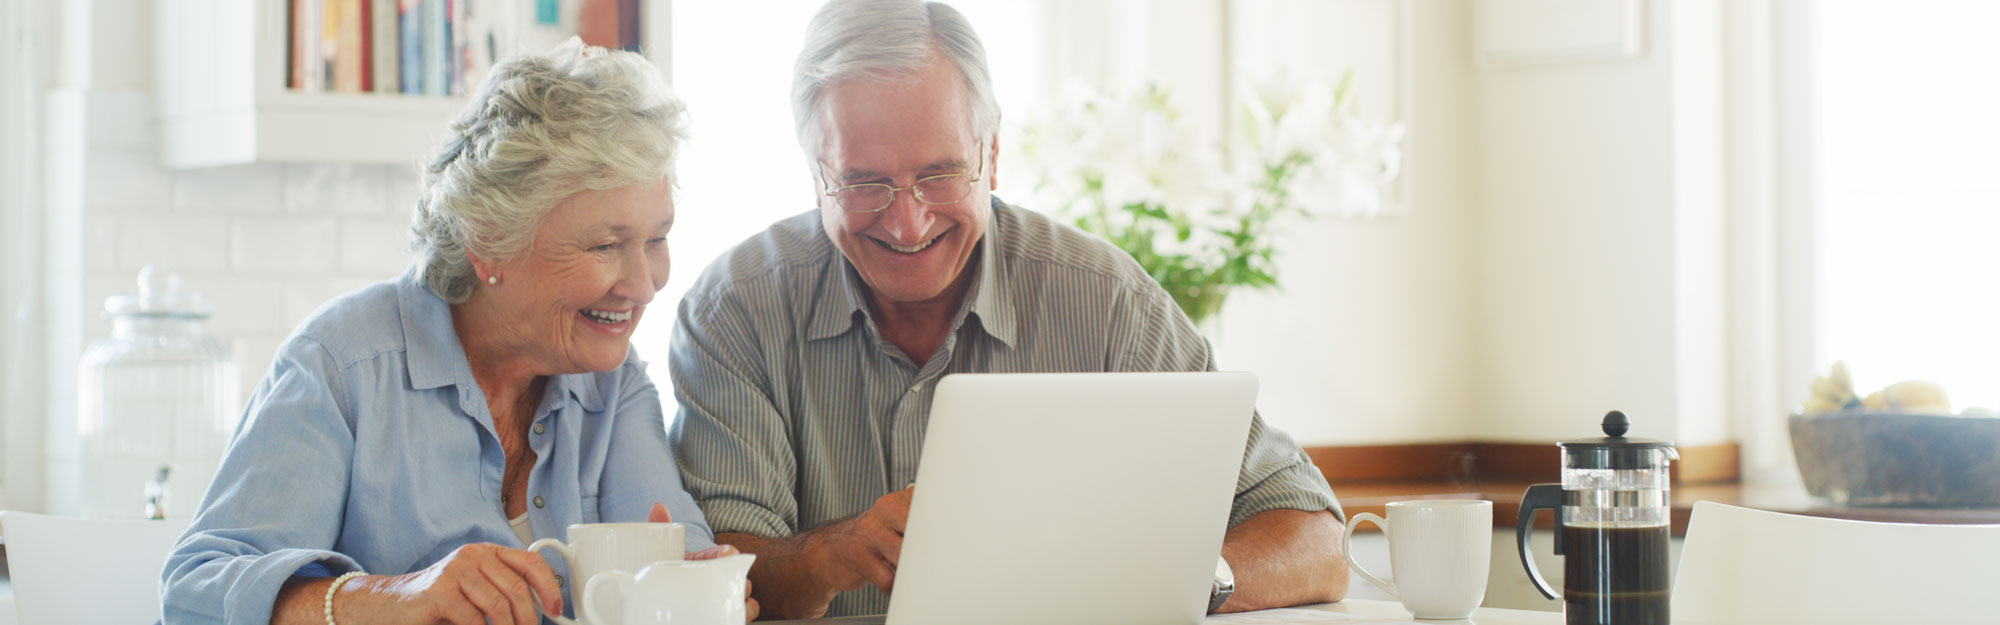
(795, 412)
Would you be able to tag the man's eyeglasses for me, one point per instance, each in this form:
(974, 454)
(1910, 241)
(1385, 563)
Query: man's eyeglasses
(874, 197)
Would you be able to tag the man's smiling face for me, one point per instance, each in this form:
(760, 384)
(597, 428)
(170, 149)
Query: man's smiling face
(894, 131)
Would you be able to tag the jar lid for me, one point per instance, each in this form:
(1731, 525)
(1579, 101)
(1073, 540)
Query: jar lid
(1614, 450)
(160, 295)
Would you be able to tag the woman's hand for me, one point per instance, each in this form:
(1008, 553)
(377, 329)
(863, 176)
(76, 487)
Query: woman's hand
(659, 515)
(477, 584)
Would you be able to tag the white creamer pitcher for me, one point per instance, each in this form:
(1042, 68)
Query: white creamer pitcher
(674, 592)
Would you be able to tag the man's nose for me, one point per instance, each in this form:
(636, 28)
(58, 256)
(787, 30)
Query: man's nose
(907, 219)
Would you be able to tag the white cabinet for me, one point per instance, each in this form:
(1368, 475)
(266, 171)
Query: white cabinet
(222, 96)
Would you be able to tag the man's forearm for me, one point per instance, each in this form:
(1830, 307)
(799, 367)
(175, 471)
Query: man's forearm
(1285, 558)
(782, 579)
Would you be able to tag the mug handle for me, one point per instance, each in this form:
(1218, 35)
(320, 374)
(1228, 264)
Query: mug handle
(1347, 548)
(1539, 496)
(568, 556)
(586, 609)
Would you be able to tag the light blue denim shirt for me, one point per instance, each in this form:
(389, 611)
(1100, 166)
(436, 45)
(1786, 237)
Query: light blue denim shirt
(368, 447)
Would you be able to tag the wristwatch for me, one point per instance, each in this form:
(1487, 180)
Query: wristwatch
(1225, 585)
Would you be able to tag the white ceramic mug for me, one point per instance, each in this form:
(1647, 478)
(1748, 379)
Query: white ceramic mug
(597, 548)
(1439, 551)
(688, 592)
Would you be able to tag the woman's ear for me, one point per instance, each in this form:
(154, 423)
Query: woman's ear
(485, 269)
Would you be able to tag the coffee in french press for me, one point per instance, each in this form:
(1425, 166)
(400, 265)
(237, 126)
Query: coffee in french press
(1612, 523)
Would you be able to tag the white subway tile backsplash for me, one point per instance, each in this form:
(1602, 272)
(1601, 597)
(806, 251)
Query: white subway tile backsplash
(283, 245)
(265, 243)
(179, 242)
(375, 247)
(400, 195)
(242, 305)
(334, 189)
(100, 237)
(122, 179)
(257, 187)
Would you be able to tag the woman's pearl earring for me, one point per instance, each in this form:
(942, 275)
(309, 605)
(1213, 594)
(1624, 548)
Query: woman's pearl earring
(492, 279)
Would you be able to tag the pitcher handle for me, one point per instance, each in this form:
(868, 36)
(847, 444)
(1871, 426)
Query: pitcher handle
(587, 609)
(1539, 496)
(1347, 547)
(568, 556)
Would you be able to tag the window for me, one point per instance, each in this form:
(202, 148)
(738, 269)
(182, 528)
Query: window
(1907, 194)
(742, 169)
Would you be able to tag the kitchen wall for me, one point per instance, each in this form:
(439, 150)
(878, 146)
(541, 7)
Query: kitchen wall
(1369, 340)
(1600, 235)
(265, 243)
(1557, 253)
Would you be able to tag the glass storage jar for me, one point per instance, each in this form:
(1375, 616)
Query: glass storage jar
(157, 402)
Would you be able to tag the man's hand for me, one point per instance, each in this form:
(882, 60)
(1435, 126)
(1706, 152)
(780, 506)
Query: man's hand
(865, 549)
(800, 575)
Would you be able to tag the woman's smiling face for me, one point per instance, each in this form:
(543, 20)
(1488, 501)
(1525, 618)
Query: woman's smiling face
(575, 295)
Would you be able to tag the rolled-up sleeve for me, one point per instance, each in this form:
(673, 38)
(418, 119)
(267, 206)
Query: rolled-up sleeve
(1153, 335)
(640, 470)
(731, 441)
(275, 507)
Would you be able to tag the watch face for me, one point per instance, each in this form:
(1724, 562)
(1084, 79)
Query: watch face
(1222, 572)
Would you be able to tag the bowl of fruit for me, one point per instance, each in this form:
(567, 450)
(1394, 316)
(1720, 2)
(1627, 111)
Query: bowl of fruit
(1899, 446)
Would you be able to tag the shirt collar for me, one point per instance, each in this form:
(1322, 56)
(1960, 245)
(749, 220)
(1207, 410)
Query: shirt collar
(837, 311)
(436, 359)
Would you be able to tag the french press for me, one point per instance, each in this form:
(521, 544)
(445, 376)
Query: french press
(1611, 520)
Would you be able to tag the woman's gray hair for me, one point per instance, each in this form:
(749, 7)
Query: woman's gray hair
(543, 127)
(884, 38)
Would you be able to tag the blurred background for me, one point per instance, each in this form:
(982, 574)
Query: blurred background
(1524, 213)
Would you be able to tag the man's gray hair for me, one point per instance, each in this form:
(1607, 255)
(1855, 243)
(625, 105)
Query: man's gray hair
(543, 127)
(885, 38)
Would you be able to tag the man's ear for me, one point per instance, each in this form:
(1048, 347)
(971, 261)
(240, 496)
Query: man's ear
(993, 157)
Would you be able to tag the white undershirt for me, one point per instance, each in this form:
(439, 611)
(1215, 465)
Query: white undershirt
(521, 529)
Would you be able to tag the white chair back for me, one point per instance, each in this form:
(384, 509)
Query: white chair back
(1751, 566)
(68, 570)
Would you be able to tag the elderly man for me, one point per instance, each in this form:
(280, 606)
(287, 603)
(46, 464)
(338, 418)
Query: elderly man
(806, 357)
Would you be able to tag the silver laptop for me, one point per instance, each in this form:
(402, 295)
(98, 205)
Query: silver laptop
(1086, 498)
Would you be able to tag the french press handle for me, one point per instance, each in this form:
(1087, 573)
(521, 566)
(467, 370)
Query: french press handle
(1539, 496)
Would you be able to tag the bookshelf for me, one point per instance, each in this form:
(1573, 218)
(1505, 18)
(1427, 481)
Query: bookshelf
(222, 97)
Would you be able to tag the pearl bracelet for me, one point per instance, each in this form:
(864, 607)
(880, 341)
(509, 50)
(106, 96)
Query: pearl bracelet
(337, 582)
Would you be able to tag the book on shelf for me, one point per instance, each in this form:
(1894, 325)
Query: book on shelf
(347, 60)
(384, 47)
(611, 24)
(434, 44)
(436, 47)
(410, 46)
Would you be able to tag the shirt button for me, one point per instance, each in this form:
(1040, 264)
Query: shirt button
(538, 428)
(538, 501)
(559, 580)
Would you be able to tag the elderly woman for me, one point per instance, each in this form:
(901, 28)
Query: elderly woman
(419, 432)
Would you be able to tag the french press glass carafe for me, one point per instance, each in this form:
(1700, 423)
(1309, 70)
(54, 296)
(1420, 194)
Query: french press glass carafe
(1611, 521)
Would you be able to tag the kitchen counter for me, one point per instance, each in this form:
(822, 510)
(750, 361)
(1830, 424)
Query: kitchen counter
(1506, 498)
